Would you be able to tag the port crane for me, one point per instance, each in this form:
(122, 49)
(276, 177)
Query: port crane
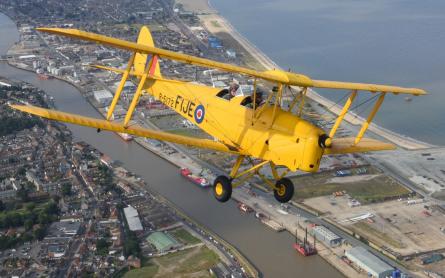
(265, 134)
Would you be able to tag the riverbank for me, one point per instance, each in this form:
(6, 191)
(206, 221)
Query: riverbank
(217, 24)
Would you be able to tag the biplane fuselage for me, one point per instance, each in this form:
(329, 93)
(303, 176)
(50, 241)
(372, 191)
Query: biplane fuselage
(294, 141)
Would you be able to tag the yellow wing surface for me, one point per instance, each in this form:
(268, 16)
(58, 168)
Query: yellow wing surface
(287, 78)
(347, 145)
(119, 127)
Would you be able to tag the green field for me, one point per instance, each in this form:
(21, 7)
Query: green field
(377, 189)
(146, 271)
(195, 260)
(184, 236)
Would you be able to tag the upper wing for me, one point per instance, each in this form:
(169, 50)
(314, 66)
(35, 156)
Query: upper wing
(119, 127)
(300, 80)
(366, 87)
(347, 145)
(278, 76)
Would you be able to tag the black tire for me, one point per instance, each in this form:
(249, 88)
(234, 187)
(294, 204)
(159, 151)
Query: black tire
(285, 190)
(222, 189)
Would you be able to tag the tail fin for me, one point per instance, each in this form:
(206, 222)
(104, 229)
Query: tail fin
(142, 60)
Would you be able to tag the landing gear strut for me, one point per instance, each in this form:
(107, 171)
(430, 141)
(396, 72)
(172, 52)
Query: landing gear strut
(283, 188)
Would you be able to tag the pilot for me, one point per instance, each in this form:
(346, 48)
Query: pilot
(258, 100)
(232, 91)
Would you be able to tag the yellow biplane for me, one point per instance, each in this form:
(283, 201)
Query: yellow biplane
(272, 134)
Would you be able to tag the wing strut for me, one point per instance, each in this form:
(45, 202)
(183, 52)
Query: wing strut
(343, 113)
(147, 72)
(370, 118)
(117, 95)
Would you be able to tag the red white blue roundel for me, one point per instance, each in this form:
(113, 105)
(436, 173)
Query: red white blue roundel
(199, 114)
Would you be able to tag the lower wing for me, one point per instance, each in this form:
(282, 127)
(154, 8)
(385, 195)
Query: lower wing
(347, 145)
(119, 127)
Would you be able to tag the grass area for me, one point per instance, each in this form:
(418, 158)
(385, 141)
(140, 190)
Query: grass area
(172, 258)
(215, 24)
(373, 234)
(147, 271)
(374, 190)
(195, 260)
(184, 236)
(204, 259)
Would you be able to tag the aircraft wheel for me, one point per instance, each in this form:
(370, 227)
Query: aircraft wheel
(284, 190)
(222, 188)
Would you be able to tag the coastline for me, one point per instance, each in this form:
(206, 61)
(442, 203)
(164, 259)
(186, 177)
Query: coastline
(208, 20)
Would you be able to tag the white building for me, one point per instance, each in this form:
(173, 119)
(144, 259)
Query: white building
(103, 97)
(132, 216)
(369, 263)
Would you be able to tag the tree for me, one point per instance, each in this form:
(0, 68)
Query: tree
(2, 206)
(39, 233)
(22, 193)
(131, 245)
(66, 189)
(30, 206)
(28, 224)
(43, 218)
(102, 247)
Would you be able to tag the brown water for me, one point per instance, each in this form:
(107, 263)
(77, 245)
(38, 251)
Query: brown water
(269, 251)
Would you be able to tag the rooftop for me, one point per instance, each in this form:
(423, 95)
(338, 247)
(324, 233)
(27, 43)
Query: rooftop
(132, 216)
(162, 241)
(366, 258)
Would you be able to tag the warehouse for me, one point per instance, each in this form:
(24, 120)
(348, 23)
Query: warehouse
(327, 236)
(103, 97)
(369, 263)
(132, 216)
(163, 241)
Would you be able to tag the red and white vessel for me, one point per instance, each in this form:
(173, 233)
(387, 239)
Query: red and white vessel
(193, 178)
(304, 247)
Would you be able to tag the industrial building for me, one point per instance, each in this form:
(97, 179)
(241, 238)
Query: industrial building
(327, 236)
(132, 216)
(103, 97)
(162, 241)
(369, 263)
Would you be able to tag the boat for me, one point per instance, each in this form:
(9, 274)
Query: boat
(185, 172)
(304, 247)
(42, 76)
(244, 208)
(127, 137)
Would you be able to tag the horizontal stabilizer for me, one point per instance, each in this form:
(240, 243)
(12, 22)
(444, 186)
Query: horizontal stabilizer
(346, 145)
(119, 127)
(116, 70)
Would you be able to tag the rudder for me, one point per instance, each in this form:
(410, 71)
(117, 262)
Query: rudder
(140, 61)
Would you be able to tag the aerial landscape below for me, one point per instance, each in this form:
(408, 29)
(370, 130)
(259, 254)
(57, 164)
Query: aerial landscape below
(154, 139)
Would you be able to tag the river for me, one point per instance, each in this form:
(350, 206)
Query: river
(391, 42)
(269, 251)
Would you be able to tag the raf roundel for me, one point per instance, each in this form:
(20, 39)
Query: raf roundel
(199, 114)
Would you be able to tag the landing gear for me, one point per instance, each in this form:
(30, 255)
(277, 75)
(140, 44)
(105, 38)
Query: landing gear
(222, 188)
(284, 190)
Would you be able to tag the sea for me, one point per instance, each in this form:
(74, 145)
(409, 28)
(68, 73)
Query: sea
(393, 42)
